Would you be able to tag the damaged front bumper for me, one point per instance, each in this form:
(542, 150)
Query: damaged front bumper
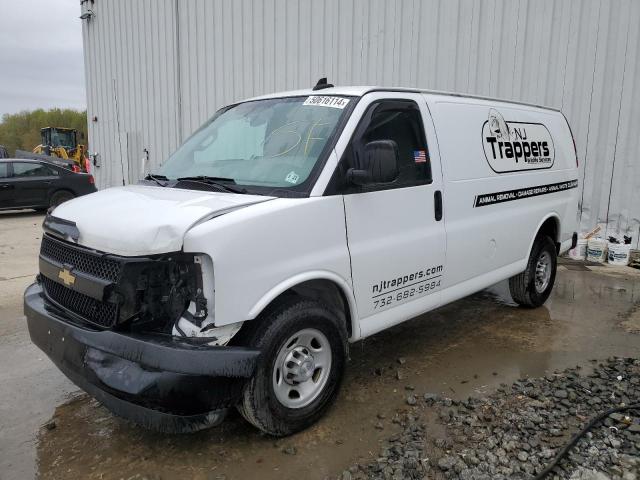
(158, 381)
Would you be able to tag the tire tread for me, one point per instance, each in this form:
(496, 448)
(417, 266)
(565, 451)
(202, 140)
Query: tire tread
(520, 286)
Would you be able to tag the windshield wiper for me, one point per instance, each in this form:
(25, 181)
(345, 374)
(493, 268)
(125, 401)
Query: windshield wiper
(157, 178)
(220, 182)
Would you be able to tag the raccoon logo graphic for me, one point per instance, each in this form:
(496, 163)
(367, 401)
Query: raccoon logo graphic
(498, 126)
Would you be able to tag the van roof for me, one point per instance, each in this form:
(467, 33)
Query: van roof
(359, 91)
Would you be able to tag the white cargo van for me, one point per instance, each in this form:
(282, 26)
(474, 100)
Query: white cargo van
(286, 227)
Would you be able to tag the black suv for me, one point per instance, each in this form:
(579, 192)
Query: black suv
(39, 184)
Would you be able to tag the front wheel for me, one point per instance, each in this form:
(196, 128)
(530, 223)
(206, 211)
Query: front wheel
(532, 287)
(304, 350)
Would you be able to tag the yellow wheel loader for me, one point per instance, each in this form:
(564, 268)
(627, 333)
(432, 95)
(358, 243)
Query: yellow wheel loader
(62, 143)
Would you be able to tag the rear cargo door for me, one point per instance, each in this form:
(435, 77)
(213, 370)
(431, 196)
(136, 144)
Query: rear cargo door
(395, 231)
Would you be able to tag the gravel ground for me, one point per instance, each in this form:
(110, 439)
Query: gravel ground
(518, 430)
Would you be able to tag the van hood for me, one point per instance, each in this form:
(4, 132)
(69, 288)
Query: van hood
(144, 220)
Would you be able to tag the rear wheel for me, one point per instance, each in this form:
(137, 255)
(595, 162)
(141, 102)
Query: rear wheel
(532, 287)
(59, 197)
(304, 350)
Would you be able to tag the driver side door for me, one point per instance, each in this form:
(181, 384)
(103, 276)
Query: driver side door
(395, 230)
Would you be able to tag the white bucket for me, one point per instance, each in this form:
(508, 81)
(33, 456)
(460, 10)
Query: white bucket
(596, 250)
(618, 254)
(579, 252)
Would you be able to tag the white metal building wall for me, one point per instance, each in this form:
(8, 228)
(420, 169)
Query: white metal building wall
(156, 69)
(132, 85)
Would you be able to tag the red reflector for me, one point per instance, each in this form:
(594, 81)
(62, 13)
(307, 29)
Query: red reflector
(75, 169)
(92, 180)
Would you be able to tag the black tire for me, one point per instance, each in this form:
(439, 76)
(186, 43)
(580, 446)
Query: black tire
(260, 405)
(59, 197)
(523, 286)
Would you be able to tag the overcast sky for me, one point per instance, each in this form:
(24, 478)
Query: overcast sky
(41, 64)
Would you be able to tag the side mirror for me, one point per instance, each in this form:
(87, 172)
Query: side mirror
(379, 164)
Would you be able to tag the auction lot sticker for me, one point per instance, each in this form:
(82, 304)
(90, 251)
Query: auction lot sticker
(326, 101)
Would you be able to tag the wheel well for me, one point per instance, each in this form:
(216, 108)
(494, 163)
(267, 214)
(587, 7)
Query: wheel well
(58, 190)
(551, 228)
(326, 291)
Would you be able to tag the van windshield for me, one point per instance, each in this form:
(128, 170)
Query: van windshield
(266, 143)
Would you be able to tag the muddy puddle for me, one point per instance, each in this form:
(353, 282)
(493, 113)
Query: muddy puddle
(467, 348)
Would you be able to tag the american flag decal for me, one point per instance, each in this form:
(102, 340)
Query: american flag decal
(420, 156)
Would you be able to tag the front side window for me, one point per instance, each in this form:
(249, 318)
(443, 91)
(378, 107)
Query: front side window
(399, 121)
(4, 170)
(273, 143)
(32, 170)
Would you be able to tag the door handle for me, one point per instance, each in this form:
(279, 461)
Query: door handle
(437, 204)
(6, 186)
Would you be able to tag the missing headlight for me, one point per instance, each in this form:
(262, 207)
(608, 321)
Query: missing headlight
(153, 293)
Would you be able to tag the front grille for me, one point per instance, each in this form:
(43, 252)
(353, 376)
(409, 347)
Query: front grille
(81, 260)
(103, 314)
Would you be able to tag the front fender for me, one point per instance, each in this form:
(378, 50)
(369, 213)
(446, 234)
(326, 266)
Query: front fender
(261, 251)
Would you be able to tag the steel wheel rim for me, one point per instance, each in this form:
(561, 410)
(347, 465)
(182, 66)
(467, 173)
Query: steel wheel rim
(302, 368)
(543, 272)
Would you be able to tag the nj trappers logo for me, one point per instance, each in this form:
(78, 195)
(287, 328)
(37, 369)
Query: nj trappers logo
(514, 146)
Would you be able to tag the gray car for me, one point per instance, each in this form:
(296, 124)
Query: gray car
(39, 184)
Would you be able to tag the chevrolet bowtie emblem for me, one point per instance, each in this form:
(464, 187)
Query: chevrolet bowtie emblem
(67, 277)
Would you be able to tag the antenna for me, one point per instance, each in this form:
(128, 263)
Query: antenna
(322, 84)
